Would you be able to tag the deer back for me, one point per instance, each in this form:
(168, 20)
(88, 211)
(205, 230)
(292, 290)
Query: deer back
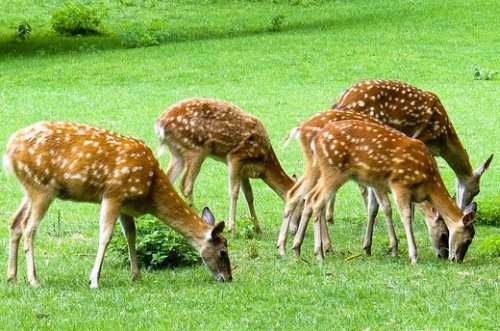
(82, 163)
(377, 156)
(224, 132)
(415, 112)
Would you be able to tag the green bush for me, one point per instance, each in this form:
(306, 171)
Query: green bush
(77, 20)
(157, 246)
(139, 35)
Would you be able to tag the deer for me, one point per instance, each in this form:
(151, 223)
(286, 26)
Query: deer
(383, 158)
(418, 114)
(196, 128)
(78, 162)
(295, 196)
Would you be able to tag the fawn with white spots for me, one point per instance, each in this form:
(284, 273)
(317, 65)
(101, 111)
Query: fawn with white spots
(197, 128)
(418, 114)
(385, 159)
(295, 197)
(88, 164)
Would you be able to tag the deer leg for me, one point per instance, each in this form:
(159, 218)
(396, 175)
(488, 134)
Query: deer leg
(325, 236)
(192, 166)
(15, 233)
(405, 210)
(293, 201)
(109, 213)
(330, 210)
(128, 227)
(301, 231)
(372, 208)
(39, 204)
(299, 191)
(248, 193)
(175, 167)
(319, 199)
(234, 188)
(385, 203)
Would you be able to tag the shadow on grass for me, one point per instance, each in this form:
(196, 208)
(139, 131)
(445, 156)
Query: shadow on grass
(51, 44)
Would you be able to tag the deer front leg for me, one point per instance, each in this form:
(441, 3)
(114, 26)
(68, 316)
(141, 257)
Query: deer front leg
(405, 211)
(247, 191)
(128, 226)
(372, 209)
(15, 233)
(234, 188)
(109, 213)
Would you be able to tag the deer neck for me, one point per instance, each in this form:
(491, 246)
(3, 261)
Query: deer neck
(172, 210)
(456, 156)
(447, 208)
(276, 177)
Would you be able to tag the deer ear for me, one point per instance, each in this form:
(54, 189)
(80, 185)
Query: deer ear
(218, 229)
(469, 213)
(483, 167)
(208, 217)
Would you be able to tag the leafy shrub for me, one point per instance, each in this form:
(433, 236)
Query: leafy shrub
(157, 246)
(77, 20)
(277, 23)
(139, 35)
(24, 30)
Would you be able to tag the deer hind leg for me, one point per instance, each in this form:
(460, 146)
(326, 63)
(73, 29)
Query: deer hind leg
(301, 231)
(291, 215)
(175, 167)
(128, 226)
(248, 192)
(16, 223)
(109, 214)
(192, 166)
(295, 197)
(385, 203)
(38, 206)
(330, 209)
(318, 199)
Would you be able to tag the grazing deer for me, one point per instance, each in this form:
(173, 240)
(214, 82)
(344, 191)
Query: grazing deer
(87, 164)
(197, 128)
(418, 114)
(295, 197)
(383, 158)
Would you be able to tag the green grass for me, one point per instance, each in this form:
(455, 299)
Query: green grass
(225, 49)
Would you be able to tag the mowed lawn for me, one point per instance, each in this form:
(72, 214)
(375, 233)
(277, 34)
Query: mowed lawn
(281, 61)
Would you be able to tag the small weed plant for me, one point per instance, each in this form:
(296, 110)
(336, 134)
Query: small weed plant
(482, 74)
(23, 30)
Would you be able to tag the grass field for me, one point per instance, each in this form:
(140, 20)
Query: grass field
(281, 61)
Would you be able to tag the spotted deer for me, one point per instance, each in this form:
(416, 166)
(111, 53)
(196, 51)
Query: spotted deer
(197, 128)
(295, 197)
(418, 114)
(88, 164)
(383, 158)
